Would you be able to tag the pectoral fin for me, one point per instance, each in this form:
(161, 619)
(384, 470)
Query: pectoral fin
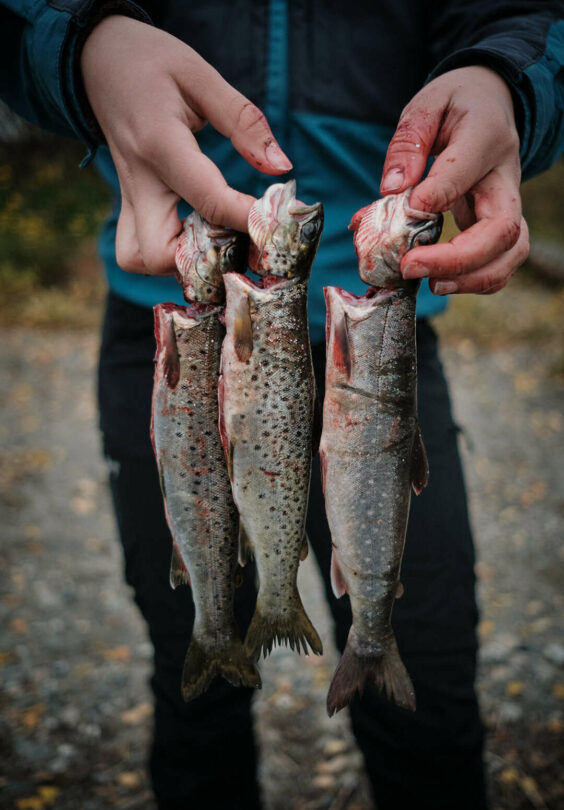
(419, 464)
(304, 551)
(171, 358)
(341, 350)
(243, 329)
(338, 582)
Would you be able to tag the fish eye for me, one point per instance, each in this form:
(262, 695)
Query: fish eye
(231, 254)
(310, 230)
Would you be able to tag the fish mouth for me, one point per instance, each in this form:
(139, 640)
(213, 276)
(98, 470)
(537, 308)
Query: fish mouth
(268, 283)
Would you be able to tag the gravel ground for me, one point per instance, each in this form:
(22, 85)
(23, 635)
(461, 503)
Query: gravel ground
(75, 709)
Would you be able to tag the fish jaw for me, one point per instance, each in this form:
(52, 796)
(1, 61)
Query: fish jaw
(384, 232)
(284, 233)
(204, 253)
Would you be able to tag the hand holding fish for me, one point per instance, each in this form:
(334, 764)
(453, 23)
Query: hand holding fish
(465, 117)
(150, 92)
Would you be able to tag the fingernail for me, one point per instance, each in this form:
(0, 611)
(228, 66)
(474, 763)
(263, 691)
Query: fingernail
(415, 270)
(277, 158)
(392, 180)
(445, 287)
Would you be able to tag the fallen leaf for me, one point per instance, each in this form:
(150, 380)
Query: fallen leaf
(558, 691)
(30, 803)
(137, 715)
(19, 625)
(508, 775)
(514, 688)
(6, 658)
(485, 628)
(48, 793)
(32, 716)
(129, 779)
(120, 653)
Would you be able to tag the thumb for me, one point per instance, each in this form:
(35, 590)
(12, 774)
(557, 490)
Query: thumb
(412, 143)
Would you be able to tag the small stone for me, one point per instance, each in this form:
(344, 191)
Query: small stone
(554, 652)
(509, 712)
(324, 781)
(335, 747)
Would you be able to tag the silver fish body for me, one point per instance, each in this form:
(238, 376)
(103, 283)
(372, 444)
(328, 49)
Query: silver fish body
(372, 453)
(267, 409)
(199, 505)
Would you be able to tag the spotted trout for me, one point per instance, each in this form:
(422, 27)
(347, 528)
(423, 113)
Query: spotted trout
(199, 505)
(372, 452)
(267, 407)
(204, 253)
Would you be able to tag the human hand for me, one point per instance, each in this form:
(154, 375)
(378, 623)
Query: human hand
(466, 118)
(150, 92)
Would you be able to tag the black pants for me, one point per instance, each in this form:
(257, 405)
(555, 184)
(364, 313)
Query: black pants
(203, 754)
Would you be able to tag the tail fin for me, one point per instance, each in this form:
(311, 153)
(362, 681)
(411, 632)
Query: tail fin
(293, 628)
(387, 671)
(201, 666)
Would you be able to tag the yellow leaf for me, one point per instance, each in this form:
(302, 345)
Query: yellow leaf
(120, 653)
(48, 793)
(136, 715)
(514, 688)
(30, 803)
(485, 628)
(129, 779)
(508, 775)
(31, 716)
(6, 658)
(19, 625)
(558, 690)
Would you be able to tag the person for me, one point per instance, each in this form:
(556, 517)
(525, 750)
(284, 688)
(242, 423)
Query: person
(205, 103)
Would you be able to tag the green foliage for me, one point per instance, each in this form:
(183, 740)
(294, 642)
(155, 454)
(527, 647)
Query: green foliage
(48, 208)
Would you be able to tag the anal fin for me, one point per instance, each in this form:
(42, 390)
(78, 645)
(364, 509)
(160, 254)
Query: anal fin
(419, 464)
(178, 572)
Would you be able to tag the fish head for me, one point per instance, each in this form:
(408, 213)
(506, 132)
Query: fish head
(204, 253)
(284, 233)
(385, 231)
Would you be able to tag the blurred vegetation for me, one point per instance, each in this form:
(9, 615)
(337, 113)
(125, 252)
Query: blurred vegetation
(51, 212)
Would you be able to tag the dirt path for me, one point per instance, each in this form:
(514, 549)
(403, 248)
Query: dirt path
(74, 659)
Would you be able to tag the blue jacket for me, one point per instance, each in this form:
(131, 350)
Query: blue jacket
(332, 80)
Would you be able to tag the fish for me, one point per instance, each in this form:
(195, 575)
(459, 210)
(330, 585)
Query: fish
(199, 505)
(372, 452)
(204, 253)
(282, 232)
(267, 409)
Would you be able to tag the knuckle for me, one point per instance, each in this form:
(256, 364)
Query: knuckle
(510, 230)
(156, 261)
(250, 117)
(211, 209)
(439, 197)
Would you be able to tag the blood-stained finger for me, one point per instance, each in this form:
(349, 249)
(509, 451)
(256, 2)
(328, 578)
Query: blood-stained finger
(497, 209)
(490, 278)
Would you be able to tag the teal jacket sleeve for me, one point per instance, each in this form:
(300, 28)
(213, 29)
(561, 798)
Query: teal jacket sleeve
(40, 44)
(523, 41)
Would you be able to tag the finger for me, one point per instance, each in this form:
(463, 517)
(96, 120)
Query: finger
(467, 158)
(497, 208)
(195, 178)
(156, 223)
(128, 254)
(234, 116)
(412, 142)
(490, 278)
